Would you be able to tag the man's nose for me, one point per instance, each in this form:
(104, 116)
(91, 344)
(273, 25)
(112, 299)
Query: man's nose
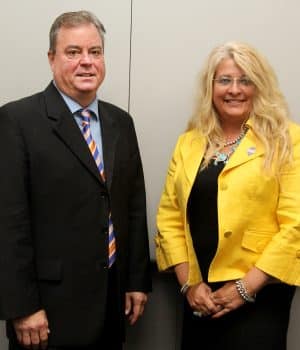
(85, 58)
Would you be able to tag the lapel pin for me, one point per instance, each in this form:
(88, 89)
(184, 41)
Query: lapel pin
(251, 150)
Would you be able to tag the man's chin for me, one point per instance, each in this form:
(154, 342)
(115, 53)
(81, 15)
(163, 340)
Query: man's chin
(89, 88)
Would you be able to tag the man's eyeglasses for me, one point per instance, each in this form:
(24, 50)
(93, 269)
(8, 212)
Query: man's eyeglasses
(228, 81)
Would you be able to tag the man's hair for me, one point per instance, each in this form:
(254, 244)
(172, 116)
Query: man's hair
(71, 20)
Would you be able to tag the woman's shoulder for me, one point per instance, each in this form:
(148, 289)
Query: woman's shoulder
(294, 129)
(190, 135)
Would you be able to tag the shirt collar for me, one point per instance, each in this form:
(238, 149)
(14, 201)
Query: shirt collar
(75, 106)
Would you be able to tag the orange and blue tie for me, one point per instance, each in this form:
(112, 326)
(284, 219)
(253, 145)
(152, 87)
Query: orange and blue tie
(86, 131)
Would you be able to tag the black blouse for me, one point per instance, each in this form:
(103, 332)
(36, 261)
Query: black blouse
(202, 212)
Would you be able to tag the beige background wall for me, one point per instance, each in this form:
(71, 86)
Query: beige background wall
(170, 40)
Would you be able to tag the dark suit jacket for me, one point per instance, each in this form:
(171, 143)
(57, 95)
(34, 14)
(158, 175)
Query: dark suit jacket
(54, 216)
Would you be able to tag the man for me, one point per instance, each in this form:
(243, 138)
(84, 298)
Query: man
(62, 286)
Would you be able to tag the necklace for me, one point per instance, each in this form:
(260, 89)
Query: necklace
(233, 142)
(222, 157)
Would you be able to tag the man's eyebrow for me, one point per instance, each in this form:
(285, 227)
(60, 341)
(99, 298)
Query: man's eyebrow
(73, 47)
(79, 47)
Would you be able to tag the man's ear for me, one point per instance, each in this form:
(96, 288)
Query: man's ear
(51, 56)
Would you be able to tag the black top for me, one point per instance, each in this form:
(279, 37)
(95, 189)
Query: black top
(202, 211)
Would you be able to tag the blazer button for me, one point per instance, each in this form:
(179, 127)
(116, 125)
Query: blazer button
(105, 231)
(298, 254)
(227, 234)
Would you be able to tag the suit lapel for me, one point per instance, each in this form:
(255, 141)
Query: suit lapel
(110, 135)
(65, 127)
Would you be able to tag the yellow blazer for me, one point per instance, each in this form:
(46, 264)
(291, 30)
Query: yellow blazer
(258, 214)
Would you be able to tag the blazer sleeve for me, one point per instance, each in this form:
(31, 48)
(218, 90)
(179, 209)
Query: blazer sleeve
(281, 257)
(18, 292)
(170, 239)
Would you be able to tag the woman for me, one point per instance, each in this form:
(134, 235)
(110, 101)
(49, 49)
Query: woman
(229, 216)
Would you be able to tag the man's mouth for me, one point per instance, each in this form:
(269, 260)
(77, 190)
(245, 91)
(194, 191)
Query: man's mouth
(85, 75)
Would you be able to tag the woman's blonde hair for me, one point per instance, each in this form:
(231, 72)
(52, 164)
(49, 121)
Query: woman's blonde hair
(269, 116)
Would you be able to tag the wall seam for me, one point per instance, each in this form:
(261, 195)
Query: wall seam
(130, 52)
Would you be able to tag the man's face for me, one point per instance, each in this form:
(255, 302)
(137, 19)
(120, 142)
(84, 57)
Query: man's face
(78, 62)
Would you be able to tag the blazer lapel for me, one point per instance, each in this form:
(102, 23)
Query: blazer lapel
(248, 149)
(65, 127)
(110, 135)
(192, 153)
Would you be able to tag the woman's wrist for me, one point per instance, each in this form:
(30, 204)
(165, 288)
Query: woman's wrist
(243, 292)
(184, 288)
(255, 280)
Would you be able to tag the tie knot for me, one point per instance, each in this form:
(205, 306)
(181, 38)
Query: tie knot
(85, 115)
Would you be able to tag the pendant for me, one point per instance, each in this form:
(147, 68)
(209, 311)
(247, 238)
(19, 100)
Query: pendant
(220, 157)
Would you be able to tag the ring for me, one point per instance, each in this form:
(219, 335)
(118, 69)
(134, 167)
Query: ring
(198, 313)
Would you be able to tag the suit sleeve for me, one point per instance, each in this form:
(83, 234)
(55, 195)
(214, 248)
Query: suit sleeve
(139, 275)
(18, 291)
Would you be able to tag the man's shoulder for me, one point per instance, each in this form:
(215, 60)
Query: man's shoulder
(24, 103)
(114, 113)
(32, 101)
(112, 108)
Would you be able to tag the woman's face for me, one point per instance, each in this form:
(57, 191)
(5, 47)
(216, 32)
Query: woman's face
(233, 92)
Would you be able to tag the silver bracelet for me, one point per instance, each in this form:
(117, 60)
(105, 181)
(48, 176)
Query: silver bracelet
(243, 292)
(184, 288)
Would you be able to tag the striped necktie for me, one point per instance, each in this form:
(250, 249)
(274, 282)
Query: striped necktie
(86, 131)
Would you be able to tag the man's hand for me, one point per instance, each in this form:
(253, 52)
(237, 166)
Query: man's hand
(32, 331)
(134, 305)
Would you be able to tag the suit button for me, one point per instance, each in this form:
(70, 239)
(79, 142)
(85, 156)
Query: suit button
(105, 231)
(224, 187)
(227, 234)
(101, 265)
(298, 254)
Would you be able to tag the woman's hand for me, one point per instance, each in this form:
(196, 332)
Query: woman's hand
(200, 299)
(228, 299)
